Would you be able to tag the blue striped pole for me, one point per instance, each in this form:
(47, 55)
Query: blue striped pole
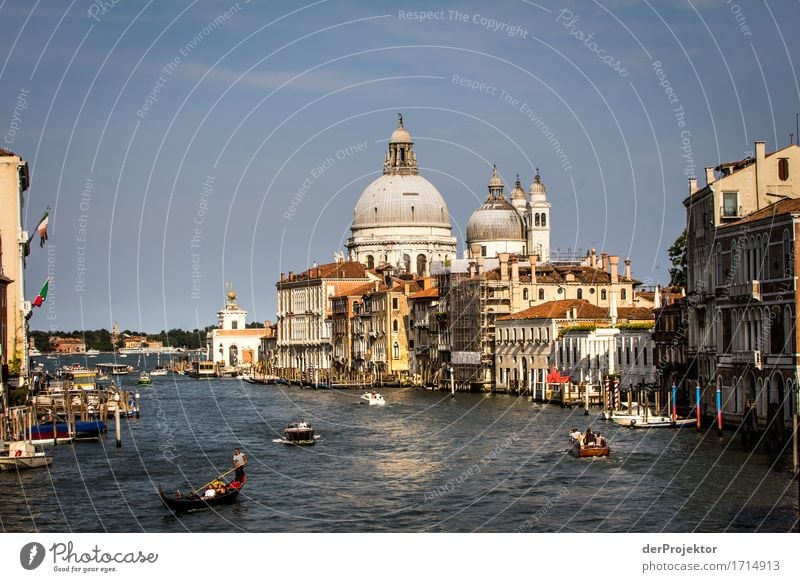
(674, 403)
(697, 403)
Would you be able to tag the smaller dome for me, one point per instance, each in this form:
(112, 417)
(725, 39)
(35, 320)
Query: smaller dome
(400, 135)
(496, 220)
(537, 187)
(518, 193)
(495, 182)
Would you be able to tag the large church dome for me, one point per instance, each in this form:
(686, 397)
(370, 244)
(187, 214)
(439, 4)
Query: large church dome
(401, 200)
(401, 218)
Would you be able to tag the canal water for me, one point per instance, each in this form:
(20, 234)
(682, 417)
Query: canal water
(425, 462)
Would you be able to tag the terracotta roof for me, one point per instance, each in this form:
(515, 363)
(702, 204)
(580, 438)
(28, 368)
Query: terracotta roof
(358, 291)
(400, 287)
(344, 270)
(785, 206)
(431, 293)
(635, 313)
(558, 310)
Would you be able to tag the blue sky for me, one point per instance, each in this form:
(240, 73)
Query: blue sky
(170, 139)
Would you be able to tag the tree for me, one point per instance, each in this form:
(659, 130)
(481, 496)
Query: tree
(677, 256)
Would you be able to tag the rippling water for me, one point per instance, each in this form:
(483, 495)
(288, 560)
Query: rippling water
(424, 462)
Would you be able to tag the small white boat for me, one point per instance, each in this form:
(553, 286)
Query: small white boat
(23, 455)
(92, 353)
(652, 421)
(160, 371)
(144, 379)
(373, 398)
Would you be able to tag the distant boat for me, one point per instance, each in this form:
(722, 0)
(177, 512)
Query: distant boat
(373, 398)
(160, 371)
(298, 433)
(144, 379)
(92, 353)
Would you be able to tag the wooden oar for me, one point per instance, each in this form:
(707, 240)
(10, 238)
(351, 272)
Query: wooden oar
(210, 482)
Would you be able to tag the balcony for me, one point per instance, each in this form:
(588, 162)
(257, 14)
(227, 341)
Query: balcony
(747, 358)
(749, 291)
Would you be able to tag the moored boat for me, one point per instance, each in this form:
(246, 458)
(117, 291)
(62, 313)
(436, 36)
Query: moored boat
(159, 371)
(144, 379)
(23, 455)
(82, 430)
(588, 444)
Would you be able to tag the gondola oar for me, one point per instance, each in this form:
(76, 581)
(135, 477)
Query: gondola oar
(210, 482)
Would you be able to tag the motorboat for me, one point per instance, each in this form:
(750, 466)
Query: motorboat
(160, 371)
(298, 433)
(588, 444)
(114, 369)
(92, 353)
(652, 421)
(144, 379)
(23, 455)
(373, 398)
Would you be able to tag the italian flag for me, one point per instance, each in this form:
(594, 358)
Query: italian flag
(42, 295)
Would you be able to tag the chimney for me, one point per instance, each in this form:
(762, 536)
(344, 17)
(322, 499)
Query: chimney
(515, 270)
(628, 268)
(760, 151)
(407, 289)
(479, 265)
(533, 260)
(693, 186)
(594, 258)
(283, 278)
(291, 275)
(377, 286)
(604, 261)
(613, 262)
(503, 266)
(709, 175)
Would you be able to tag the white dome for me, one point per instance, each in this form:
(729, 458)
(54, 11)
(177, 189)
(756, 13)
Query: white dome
(400, 200)
(496, 220)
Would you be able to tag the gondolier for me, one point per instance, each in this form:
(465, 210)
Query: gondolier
(239, 461)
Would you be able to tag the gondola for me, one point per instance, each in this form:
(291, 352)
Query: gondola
(180, 503)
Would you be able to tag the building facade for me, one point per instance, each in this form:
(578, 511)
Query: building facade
(14, 182)
(232, 345)
(305, 314)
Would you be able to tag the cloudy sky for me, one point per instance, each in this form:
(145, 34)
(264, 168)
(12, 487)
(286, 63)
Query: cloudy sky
(180, 145)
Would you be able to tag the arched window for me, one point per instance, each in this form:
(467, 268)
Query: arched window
(395, 326)
(412, 214)
(396, 351)
(536, 219)
(525, 294)
(580, 293)
(603, 295)
(407, 263)
(370, 262)
(623, 293)
(541, 294)
(544, 219)
(783, 169)
(422, 264)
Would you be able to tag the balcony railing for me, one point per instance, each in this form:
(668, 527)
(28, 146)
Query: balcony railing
(747, 358)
